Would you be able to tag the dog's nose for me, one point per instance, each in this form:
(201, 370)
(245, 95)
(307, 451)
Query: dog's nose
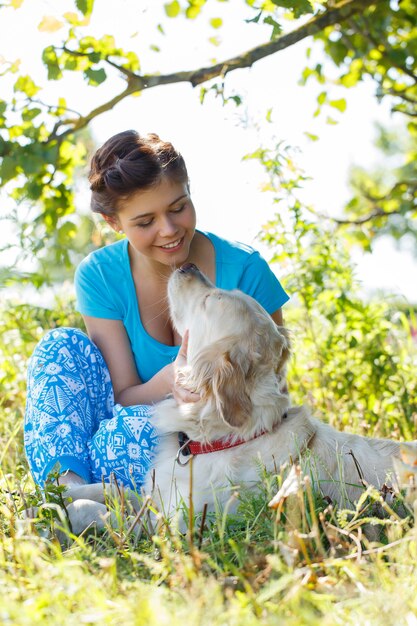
(188, 267)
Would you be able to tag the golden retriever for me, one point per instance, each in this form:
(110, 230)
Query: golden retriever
(236, 362)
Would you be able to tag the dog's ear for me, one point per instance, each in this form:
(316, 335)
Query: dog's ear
(270, 348)
(223, 375)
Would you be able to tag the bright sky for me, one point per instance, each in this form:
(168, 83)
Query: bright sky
(213, 138)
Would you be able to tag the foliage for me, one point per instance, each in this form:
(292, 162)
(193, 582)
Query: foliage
(379, 44)
(354, 360)
(44, 139)
(385, 198)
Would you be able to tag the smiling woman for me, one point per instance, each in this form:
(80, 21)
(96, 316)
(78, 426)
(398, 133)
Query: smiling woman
(133, 351)
(158, 222)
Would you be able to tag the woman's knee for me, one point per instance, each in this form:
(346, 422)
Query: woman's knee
(63, 335)
(69, 345)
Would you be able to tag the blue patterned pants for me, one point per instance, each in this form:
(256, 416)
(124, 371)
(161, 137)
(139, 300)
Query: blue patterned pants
(71, 418)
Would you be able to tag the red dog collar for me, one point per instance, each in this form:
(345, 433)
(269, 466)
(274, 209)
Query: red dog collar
(190, 448)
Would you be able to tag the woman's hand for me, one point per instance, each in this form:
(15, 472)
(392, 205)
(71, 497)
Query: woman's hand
(181, 393)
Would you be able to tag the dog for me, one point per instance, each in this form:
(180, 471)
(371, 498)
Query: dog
(244, 419)
(236, 362)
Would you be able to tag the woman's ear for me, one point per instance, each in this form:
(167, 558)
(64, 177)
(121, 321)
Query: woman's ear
(113, 221)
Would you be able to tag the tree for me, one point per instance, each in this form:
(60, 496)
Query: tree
(384, 200)
(43, 143)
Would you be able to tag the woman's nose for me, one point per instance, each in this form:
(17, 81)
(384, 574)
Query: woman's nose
(167, 227)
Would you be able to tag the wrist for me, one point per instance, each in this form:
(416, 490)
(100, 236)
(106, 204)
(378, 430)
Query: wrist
(168, 378)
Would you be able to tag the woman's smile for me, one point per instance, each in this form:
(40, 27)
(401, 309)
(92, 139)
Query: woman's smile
(174, 246)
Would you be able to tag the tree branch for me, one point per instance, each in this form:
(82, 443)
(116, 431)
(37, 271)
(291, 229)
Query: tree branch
(135, 82)
(133, 86)
(398, 109)
(341, 12)
(378, 211)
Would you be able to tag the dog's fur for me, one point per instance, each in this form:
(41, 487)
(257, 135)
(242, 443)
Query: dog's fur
(236, 362)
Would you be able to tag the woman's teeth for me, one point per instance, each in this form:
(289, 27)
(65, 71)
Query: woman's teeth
(172, 245)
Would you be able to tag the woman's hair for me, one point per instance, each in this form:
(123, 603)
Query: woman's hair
(127, 163)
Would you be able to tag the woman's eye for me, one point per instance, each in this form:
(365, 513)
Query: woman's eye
(144, 224)
(179, 209)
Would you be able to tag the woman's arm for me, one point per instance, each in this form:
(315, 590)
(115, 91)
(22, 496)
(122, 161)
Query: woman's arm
(277, 317)
(111, 339)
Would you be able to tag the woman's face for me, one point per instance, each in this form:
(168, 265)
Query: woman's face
(159, 223)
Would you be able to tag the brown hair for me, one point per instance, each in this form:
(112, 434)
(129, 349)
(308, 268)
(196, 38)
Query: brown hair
(127, 163)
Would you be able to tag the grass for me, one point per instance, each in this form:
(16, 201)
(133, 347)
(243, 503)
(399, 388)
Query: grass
(258, 566)
(303, 564)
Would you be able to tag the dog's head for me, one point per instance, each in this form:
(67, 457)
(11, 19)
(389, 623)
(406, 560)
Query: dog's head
(236, 353)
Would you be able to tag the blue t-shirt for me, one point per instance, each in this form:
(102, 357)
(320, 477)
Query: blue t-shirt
(104, 287)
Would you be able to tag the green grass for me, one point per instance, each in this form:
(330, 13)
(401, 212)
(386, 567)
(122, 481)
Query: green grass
(309, 564)
(313, 566)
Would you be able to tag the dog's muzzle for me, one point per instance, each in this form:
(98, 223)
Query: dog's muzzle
(186, 268)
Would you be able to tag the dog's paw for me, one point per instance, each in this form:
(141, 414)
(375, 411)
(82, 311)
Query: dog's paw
(96, 492)
(86, 514)
(106, 493)
(74, 519)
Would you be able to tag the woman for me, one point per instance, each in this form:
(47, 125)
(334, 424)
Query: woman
(89, 397)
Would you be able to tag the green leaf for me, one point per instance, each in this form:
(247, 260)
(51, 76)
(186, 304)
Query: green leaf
(8, 169)
(133, 61)
(32, 164)
(298, 7)
(50, 60)
(85, 6)
(172, 9)
(255, 19)
(350, 79)
(192, 12)
(321, 98)
(340, 104)
(95, 77)
(216, 22)
(276, 28)
(29, 114)
(311, 136)
(26, 85)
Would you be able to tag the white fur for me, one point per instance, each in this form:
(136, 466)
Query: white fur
(236, 362)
